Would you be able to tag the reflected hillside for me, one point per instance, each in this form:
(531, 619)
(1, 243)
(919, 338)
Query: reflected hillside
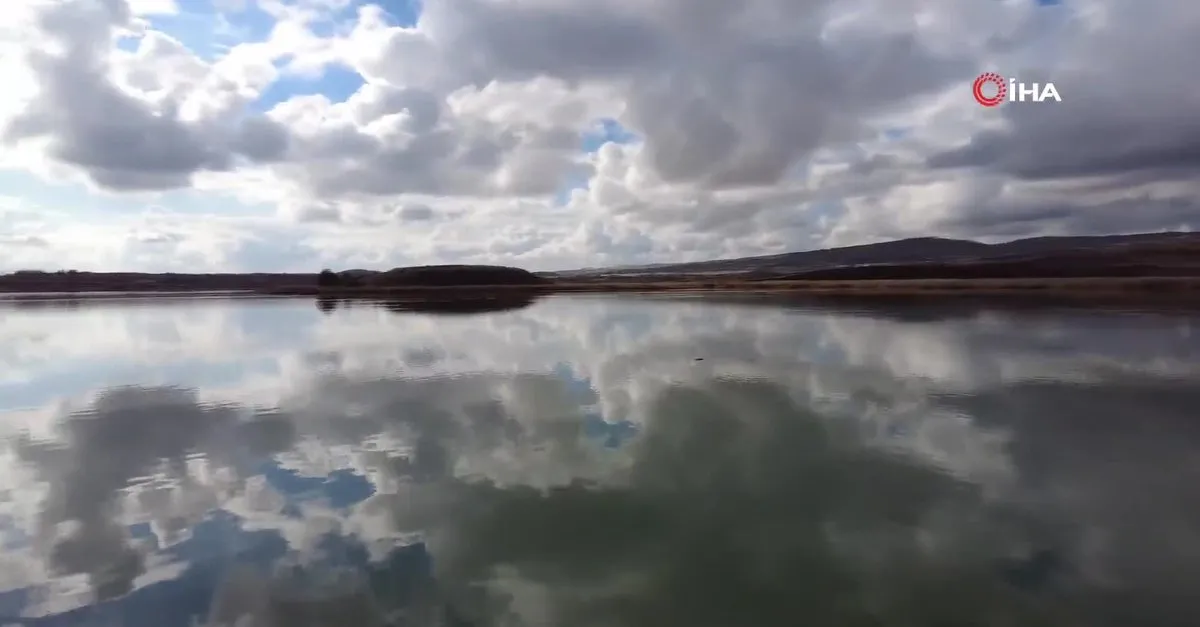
(737, 492)
(595, 461)
(464, 305)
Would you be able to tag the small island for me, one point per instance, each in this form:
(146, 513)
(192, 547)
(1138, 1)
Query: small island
(427, 277)
(444, 289)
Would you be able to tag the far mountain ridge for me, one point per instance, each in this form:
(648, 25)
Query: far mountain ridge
(917, 250)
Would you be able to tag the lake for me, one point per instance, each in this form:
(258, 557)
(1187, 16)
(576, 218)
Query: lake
(596, 461)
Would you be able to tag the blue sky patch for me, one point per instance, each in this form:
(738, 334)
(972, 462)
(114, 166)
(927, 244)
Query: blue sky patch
(609, 434)
(605, 130)
(403, 13)
(209, 33)
(336, 82)
(609, 130)
(580, 386)
(340, 489)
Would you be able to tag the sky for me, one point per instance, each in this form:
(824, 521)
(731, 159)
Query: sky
(294, 135)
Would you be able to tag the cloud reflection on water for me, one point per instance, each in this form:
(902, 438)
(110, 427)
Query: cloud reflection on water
(578, 459)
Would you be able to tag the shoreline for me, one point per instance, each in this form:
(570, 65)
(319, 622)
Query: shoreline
(1143, 288)
(1172, 296)
(1124, 289)
(1136, 287)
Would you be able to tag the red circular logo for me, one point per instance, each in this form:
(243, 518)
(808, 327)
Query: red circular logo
(989, 78)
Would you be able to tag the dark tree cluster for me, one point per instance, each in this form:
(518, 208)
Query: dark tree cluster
(328, 278)
(431, 276)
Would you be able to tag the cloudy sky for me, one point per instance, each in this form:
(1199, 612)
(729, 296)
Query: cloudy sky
(551, 134)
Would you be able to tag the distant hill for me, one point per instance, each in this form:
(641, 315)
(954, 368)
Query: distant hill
(1144, 255)
(418, 276)
(34, 281)
(922, 251)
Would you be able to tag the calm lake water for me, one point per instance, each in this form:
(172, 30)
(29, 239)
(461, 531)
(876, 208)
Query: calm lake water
(596, 461)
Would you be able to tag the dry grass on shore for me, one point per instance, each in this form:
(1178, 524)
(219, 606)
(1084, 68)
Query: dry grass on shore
(1131, 287)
